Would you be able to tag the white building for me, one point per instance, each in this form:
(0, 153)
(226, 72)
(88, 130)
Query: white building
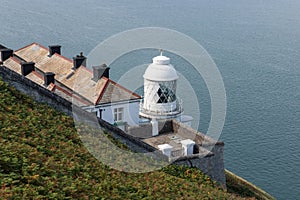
(160, 101)
(94, 91)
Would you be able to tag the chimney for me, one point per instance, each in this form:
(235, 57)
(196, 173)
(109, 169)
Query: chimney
(54, 49)
(100, 71)
(5, 54)
(79, 60)
(27, 68)
(49, 78)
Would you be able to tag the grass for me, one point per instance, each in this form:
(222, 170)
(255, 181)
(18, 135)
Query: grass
(43, 157)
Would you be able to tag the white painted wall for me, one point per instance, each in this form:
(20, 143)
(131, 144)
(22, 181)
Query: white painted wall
(130, 115)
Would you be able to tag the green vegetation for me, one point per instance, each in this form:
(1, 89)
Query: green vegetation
(42, 157)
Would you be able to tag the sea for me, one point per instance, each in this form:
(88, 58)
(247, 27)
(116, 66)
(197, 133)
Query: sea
(255, 45)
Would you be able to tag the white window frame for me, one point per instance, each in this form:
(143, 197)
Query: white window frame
(119, 114)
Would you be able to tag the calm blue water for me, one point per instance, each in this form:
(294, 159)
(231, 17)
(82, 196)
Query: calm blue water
(255, 44)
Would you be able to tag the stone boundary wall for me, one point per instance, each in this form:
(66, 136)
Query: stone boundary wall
(34, 90)
(211, 165)
(215, 168)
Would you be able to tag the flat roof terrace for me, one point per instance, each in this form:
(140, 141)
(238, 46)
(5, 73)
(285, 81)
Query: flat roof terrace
(175, 135)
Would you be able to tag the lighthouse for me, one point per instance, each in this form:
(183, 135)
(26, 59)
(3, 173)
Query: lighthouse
(160, 101)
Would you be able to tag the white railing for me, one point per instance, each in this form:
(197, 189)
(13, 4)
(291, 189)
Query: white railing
(162, 110)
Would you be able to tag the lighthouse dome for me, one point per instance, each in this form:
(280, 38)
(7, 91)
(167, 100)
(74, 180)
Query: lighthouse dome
(161, 70)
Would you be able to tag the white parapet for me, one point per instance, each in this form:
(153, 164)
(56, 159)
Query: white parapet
(166, 149)
(188, 146)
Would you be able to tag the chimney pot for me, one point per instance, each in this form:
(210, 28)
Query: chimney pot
(49, 78)
(27, 68)
(100, 71)
(54, 49)
(5, 54)
(79, 60)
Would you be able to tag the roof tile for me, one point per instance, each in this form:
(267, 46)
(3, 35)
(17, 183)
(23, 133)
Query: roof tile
(79, 80)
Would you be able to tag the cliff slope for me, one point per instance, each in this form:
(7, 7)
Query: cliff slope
(42, 157)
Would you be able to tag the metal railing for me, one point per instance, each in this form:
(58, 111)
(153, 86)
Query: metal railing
(167, 110)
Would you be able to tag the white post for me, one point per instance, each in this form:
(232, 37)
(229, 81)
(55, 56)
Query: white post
(166, 149)
(154, 124)
(188, 146)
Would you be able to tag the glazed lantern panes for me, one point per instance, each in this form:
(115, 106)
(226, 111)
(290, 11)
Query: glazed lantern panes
(160, 92)
(160, 99)
(166, 92)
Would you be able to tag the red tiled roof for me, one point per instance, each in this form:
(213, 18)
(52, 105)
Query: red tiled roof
(79, 80)
(36, 77)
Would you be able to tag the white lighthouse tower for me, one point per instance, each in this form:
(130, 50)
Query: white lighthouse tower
(160, 101)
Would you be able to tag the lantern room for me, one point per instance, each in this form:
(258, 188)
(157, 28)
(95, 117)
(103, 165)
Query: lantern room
(160, 101)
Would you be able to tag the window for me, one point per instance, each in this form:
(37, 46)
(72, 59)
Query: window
(118, 114)
(166, 93)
